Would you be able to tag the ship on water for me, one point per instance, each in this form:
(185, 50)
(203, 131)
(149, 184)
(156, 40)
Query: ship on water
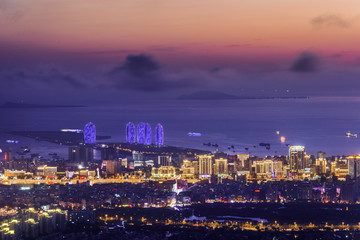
(349, 135)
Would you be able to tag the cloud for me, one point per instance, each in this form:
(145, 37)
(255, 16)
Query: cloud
(330, 20)
(215, 70)
(138, 65)
(53, 77)
(161, 48)
(307, 62)
(141, 72)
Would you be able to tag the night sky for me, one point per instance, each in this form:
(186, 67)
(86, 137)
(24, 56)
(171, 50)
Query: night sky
(82, 51)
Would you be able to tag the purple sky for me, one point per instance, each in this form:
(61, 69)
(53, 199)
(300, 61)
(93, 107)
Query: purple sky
(103, 51)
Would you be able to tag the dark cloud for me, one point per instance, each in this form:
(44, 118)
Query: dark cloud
(215, 70)
(330, 20)
(305, 63)
(138, 65)
(141, 72)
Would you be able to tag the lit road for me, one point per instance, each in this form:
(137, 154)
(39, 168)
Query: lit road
(75, 181)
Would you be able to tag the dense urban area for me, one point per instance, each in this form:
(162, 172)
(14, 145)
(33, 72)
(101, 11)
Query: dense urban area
(143, 190)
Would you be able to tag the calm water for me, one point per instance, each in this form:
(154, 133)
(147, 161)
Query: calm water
(317, 123)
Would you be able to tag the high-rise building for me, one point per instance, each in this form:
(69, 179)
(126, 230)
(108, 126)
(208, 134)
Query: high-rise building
(130, 133)
(297, 158)
(90, 133)
(354, 166)
(189, 169)
(221, 166)
(8, 156)
(124, 162)
(113, 167)
(148, 135)
(159, 135)
(109, 153)
(205, 165)
(268, 168)
(242, 161)
(81, 154)
(141, 133)
(164, 160)
(321, 155)
(137, 156)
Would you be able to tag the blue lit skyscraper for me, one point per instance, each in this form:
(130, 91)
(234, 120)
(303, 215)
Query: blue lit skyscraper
(141, 133)
(159, 135)
(90, 133)
(148, 135)
(130, 133)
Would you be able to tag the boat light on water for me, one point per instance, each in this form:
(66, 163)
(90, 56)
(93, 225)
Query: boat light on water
(193, 134)
(72, 130)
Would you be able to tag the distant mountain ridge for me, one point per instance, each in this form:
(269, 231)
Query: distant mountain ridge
(215, 95)
(208, 95)
(29, 105)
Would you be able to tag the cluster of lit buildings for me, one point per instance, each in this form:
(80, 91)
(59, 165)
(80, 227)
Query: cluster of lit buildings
(31, 223)
(298, 165)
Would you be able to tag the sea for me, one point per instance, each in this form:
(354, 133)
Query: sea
(233, 126)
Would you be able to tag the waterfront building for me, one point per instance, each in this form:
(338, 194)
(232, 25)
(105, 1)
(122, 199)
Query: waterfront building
(90, 133)
(130, 133)
(159, 135)
(141, 133)
(148, 134)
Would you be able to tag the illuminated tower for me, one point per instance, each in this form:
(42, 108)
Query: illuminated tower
(90, 133)
(141, 133)
(159, 135)
(148, 136)
(130, 133)
(297, 158)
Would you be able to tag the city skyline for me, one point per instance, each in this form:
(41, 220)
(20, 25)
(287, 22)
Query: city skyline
(179, 119)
